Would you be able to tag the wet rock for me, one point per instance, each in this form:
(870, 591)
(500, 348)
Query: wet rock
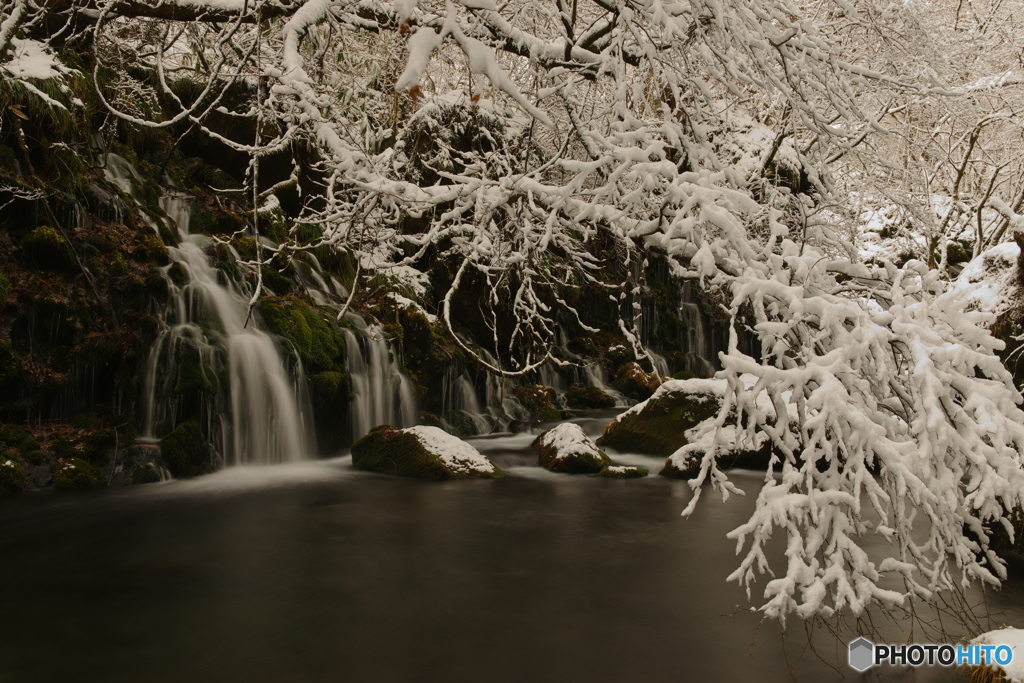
(186, 452)
(566, 448)
(139, 464)
(12, 475)
(421, 452)
(75, 474)
(636, 383)
(657, 425)
(624, 472)
(539, 400)
(588, 397)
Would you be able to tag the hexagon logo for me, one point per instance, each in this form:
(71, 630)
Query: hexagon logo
(862, 654)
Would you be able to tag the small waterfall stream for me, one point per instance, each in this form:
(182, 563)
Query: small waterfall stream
(248, 398)
(381, 393)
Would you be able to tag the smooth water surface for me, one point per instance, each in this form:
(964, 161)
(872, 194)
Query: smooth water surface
(316, 572)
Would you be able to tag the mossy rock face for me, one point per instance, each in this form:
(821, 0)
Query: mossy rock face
(634, 382)
(13, 435)
(566, 448)
(624, 472)
(539, 400)
(12, 474)
(658, 425)
(588, 397)
(186, 452)
(75, 474)
(420, 452)
(139, 464)
(315, 334)
(46, 250)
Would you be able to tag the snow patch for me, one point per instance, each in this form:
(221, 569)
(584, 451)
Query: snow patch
(568, 439)
(452, 451)
(989, 282)
(1014, 638)
(33, 59)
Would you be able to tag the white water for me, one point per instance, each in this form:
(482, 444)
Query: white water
(262, 414)
(381, 394)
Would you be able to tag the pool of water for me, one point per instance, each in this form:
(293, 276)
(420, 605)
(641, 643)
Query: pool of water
(317, 572)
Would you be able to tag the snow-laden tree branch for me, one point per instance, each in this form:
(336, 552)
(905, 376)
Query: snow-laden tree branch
(535, 147)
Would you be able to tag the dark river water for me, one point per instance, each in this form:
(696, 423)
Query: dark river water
(316, 572)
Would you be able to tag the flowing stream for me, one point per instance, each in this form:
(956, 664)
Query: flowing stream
(313, 572)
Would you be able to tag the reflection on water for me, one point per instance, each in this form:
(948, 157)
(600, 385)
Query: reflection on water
(314, 572)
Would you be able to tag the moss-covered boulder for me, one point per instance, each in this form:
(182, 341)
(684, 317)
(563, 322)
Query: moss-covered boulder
(588, 397)
(624, 472)
(635, 383)
(421, 452)
(12, 474)
(185, 451)
(539, 400)
(75, 474)
(658, 424)
(566, 448)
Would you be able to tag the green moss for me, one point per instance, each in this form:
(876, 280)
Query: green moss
(12, 475)
(144, 473)
(659, 427)
(217, 222)
(186, 452)
(28, 444)
(75, 474)
(5, 288)
(391, 451)
(624, 472)
(12, 435)
(569, 463)
(46, 250)
(588, 397)
(315, 335)
(36, 457)
(635, 383)
(539, 400)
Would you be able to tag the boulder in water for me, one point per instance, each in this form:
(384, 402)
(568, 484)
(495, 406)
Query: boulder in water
(422, 452)
(635, 383)
(624, 472)
(658, 424)
(185, 451)
(75, 474)
(566, 448)
(588, 397)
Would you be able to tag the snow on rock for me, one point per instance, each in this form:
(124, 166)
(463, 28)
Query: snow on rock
(422, 452)
(1014, 638)
(567, 448)
(624, 472)
(405, 302)
(989, 283)
(658, 425)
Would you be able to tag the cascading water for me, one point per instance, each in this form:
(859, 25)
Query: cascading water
(231, 374)
(381, 394)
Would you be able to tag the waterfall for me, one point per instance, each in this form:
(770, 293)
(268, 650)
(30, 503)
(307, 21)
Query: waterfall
(381, 394)
(209, 364)
(695, 339)
(461, 412)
